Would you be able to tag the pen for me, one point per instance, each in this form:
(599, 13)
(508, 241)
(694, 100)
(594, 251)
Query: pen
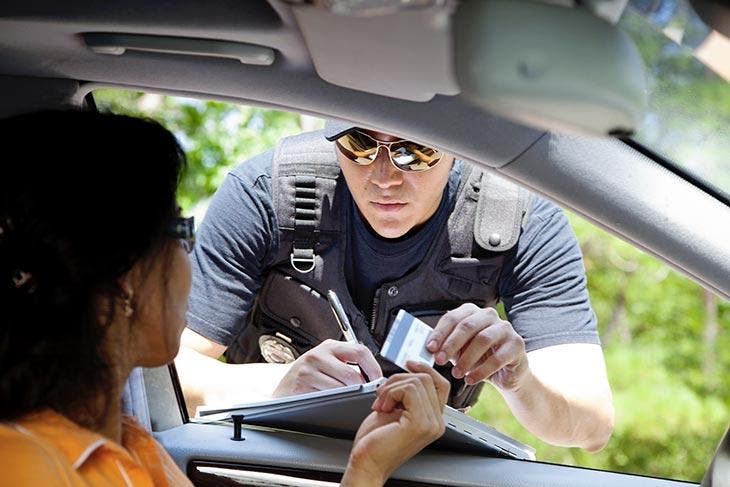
(344, 323)
(339, 311)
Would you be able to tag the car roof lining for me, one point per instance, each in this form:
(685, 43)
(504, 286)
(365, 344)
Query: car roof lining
(31, 94)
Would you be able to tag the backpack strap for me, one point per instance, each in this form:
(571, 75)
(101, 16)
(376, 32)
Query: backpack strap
(462, 217)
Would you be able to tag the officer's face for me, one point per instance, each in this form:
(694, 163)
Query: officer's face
(392, 201)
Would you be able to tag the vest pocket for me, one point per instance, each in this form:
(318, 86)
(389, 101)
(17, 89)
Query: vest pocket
(484, 271)
(297, 310)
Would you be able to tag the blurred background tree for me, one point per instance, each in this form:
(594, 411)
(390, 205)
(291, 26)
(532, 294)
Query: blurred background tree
(665, 338)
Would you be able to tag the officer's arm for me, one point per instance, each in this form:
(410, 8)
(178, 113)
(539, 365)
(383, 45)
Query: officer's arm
(206, 380)
(565, 398)
(560, 393)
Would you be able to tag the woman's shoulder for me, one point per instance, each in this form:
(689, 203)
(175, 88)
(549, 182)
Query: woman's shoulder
(151, 454)
(26, 459)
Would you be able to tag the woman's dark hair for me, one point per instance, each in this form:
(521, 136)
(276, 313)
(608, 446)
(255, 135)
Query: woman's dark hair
(83, 196)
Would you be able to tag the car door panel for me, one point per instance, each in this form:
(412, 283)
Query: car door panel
(301, 455)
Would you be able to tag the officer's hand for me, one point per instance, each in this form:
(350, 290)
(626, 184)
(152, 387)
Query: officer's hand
(481, 346)
(407, 415)
(326, 366)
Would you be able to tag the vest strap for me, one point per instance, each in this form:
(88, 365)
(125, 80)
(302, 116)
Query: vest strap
(305, 223)
(303, 182)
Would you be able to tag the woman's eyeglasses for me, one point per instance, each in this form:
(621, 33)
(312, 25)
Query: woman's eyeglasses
(405, 155)
(183, 229)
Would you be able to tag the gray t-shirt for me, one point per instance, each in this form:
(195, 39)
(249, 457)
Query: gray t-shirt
(542, 283)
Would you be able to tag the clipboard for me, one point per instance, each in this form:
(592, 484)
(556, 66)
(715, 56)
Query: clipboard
(338, 413)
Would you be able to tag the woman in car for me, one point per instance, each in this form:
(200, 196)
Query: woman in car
(94, 278)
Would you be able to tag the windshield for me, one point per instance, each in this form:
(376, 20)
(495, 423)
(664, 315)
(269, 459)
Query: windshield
(688, 121)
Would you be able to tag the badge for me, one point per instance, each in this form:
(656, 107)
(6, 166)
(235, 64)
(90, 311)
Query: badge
(276, 349)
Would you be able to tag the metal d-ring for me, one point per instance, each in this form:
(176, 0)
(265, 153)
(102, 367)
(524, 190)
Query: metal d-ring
(294, 260)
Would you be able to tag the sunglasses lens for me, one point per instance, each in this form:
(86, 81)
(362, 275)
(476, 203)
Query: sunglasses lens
(362, 149)
(359, 147)
(410, 156)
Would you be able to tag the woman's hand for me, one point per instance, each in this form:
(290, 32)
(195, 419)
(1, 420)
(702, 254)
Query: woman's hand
(407, 415)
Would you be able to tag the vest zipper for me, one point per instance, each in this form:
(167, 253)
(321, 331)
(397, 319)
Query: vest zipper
(374, 313)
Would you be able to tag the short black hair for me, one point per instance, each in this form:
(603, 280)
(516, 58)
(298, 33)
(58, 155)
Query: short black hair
(83, 197)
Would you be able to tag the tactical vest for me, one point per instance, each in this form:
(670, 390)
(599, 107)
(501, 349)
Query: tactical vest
(291, 313)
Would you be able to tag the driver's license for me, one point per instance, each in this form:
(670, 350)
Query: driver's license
(407, 341)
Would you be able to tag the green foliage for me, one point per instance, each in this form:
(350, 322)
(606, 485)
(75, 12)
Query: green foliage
(672, 399)
(671, 410)
(663, 427)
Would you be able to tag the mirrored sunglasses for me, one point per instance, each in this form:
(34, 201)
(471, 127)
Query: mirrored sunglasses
(405, 155)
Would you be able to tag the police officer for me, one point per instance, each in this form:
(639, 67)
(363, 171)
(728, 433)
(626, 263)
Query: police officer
(388, 224)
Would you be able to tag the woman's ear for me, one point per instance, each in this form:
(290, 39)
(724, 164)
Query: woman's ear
(127, 294)
(125, 284)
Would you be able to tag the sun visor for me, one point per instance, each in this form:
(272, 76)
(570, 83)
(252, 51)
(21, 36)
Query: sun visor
(406, 55)
(550, 67)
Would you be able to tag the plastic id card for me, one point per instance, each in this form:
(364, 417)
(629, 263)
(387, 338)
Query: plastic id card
(407, 341)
